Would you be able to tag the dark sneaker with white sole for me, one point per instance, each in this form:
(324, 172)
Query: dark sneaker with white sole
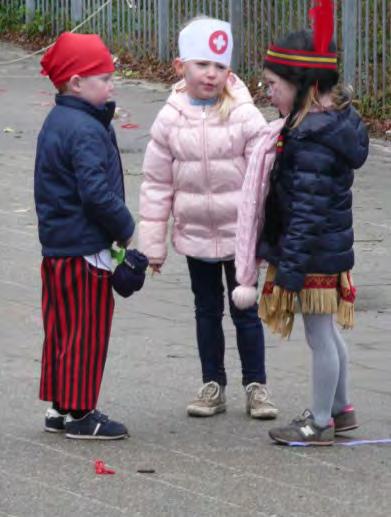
(94, 426)
(54, 421)
(304, 431)
(345, 420)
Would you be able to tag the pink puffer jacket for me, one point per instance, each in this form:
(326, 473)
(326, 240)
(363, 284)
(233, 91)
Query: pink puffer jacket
(194, 168)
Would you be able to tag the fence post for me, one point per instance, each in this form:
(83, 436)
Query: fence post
(163, 25)
(76, 11)
(349, 39)
(109, 24)
(30, 10)
(236, 20)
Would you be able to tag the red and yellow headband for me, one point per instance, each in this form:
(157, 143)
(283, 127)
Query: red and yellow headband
(322, 15)
(301, 58)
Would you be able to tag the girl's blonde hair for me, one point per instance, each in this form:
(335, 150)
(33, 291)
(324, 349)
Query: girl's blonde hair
(341, 97)
(225, 101)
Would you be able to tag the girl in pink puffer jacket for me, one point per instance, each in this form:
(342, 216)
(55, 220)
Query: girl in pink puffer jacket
(194, 168)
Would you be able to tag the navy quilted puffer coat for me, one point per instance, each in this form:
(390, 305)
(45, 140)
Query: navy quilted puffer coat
(78, 181)
(313, 197)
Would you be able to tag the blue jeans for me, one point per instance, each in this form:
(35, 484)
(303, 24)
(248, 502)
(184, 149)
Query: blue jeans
(208, 289)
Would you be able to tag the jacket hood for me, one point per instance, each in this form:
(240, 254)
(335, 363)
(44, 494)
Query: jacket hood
(343, 131)
(180, 101)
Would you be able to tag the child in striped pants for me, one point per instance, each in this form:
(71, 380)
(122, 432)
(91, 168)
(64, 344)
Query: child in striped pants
(79, 197)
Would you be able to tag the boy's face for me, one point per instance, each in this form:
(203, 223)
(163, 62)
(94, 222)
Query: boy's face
(95, 89)
(204, 79)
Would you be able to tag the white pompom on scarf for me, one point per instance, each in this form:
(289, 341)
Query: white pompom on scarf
(244, 296)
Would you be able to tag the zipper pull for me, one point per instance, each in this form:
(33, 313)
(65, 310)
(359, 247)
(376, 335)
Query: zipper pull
(203, 112)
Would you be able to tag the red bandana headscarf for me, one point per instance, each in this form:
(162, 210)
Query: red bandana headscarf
(76, 54)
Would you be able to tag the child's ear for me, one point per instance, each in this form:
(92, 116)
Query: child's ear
(74, 83)
(178, 66)
(231, 77)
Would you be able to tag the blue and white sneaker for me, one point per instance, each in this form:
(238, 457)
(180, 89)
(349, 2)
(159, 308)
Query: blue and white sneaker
(94, 426)
(54, 421)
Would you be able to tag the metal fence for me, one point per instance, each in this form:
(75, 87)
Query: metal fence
(362, 30)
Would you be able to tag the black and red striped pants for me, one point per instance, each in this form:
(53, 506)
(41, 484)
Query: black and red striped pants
(77, 311)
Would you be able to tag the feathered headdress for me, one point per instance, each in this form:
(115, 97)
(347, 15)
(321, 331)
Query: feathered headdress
(322, 15)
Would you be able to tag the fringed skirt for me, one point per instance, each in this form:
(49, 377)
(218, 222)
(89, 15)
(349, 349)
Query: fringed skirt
(321, 294)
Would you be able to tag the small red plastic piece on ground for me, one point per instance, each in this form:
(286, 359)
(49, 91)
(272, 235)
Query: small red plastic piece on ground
(100, 468)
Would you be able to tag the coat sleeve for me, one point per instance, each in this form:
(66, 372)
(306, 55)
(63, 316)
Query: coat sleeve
(312, 187)
(100, 203)
(252, 129)
(156, 194)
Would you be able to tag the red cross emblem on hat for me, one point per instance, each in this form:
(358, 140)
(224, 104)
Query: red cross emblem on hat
(218, 42)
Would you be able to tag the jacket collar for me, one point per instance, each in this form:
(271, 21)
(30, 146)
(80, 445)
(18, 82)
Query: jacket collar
(179, 98)
(104, 114)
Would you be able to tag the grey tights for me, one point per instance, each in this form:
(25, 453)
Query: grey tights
(329, 366)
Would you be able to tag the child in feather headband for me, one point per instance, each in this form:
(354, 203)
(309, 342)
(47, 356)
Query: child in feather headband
(296, 214)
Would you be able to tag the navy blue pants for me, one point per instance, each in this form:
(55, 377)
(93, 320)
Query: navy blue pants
(207, 286)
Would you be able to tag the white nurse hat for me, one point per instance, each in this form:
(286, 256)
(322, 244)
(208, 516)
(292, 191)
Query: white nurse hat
(206, 39)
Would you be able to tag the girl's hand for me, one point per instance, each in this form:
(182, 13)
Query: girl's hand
(155, 268)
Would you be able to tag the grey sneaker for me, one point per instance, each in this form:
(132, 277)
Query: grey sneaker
(210, 400)
(304, 431)
(345, 420)
(258, 403)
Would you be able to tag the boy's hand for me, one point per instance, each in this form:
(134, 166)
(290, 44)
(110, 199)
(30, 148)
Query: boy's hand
(124, 244)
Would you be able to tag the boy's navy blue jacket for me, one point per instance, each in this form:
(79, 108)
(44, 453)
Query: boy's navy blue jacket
(314, 199)
(78, 181)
